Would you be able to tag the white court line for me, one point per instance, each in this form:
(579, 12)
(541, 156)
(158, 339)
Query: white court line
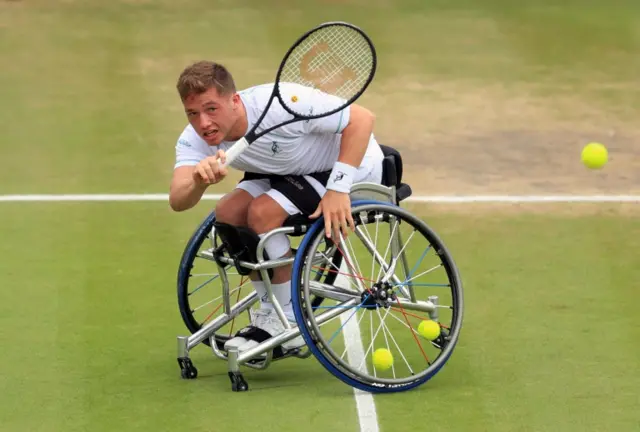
(454, 199)
(365, 405)
(527, 198)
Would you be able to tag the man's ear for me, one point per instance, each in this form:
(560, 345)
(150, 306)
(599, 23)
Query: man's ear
(235, 99)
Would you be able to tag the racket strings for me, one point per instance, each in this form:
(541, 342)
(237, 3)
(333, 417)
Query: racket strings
(348, 56)
(347, 53)
(333, 60)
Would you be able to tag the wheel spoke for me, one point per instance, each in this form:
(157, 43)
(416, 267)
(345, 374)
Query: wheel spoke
(343, 324)
(397, 348)
(218, 298)
(423, 273)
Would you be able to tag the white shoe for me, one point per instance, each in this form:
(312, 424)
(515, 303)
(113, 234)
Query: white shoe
(266, 324)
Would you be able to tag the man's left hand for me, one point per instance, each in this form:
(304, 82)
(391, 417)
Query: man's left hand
(336, 209)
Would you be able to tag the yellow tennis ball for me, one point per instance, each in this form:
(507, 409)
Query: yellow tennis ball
(294, 98)
(594, 155)
(429, 329)
(382, 359)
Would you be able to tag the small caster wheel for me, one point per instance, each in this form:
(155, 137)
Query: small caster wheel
(187, 369)
(189, 373)
(443, 339)
(238, 383)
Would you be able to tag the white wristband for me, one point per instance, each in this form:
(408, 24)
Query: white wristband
(341, 177)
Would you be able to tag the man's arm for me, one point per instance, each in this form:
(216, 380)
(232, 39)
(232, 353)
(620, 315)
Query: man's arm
(189, 182)
(355, 137)
(184, 192)
(336, 205)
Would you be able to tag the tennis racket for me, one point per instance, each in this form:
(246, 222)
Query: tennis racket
(336, 59)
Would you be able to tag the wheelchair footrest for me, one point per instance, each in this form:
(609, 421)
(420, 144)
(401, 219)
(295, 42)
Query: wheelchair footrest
(278, 352)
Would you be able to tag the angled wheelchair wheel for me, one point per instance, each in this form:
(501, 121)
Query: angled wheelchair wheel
(200, 287)
(392, 320)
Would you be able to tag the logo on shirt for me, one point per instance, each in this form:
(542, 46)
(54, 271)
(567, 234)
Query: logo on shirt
(309, 114)
(275, 148)
(184, 142)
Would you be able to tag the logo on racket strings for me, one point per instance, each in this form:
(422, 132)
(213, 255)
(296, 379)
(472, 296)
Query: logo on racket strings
(324, 69)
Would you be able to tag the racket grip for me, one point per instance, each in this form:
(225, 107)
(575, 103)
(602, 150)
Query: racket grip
(234, 151)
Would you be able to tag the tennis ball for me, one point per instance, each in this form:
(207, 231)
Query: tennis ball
(294, 98)
(382, 359)
(429, 329)
(594, 155)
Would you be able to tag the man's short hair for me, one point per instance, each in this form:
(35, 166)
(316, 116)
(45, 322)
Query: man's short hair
(202, 76)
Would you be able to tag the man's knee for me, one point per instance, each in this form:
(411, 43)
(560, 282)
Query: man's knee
(265, 214)
(233, 207)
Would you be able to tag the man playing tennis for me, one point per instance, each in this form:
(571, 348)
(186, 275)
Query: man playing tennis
(303, 167)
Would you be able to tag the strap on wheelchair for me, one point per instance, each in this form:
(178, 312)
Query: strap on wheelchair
(241, 244)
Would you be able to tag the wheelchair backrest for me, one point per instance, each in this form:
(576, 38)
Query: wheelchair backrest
(391, 166)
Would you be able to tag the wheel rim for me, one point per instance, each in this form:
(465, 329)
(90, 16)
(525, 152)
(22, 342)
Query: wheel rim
(396, 317)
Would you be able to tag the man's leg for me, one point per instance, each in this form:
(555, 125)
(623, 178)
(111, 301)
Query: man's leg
(266, 214)
(263, 215)
(289, 195)
(233, 209)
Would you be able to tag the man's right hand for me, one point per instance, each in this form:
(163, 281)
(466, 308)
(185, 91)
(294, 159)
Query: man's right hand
(210, 170)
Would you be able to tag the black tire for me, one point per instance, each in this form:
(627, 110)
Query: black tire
(184, 271)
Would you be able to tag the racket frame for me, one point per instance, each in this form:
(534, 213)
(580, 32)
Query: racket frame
(252, 136)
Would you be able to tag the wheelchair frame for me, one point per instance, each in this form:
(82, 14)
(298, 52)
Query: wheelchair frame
(260, 356)
(363, 190)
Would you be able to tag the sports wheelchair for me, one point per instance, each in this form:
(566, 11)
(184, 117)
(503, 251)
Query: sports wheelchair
(365, 306)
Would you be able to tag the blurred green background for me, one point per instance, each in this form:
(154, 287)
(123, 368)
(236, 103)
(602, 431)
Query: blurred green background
(486, 95)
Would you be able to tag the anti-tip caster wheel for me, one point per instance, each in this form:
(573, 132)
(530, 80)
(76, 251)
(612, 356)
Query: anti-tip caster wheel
(238, 383)
(187, 369)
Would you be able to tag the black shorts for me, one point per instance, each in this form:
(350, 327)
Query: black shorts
(303, 191)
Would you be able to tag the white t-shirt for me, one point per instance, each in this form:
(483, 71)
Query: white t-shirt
(298, 148)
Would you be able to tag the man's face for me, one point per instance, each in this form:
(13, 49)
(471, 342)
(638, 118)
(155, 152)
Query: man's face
(212, 115)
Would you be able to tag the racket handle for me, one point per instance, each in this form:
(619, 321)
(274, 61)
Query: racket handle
(234, 151)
